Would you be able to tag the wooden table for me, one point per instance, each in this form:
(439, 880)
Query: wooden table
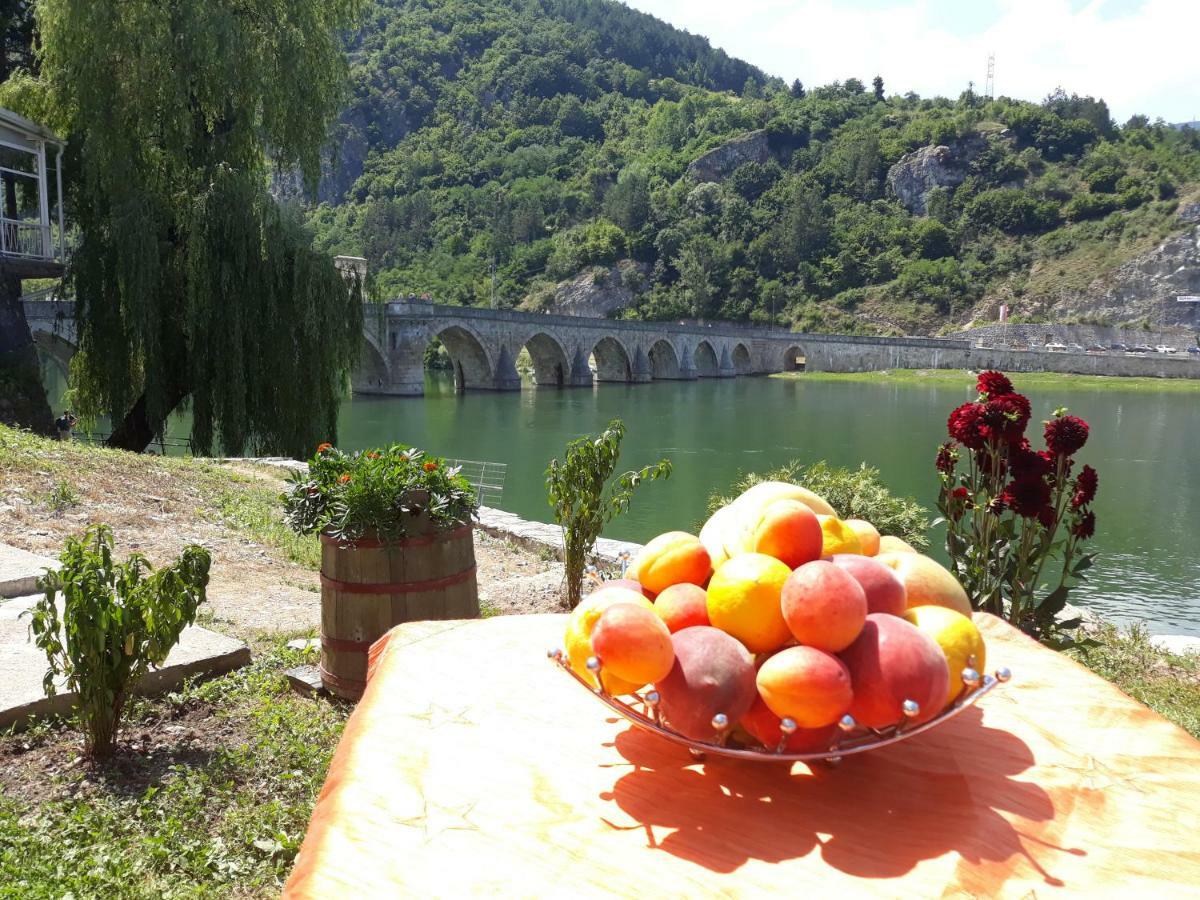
(473, 767)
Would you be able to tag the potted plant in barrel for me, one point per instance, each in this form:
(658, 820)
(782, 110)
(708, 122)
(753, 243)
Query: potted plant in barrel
(396, 545)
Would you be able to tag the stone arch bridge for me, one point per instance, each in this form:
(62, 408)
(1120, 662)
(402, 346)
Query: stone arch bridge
(569, 351)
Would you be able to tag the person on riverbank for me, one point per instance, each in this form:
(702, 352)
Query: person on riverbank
(63, 424)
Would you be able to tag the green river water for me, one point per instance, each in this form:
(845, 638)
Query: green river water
(1143, 444)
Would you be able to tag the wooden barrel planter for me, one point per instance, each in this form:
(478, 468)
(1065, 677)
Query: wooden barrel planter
(370, 585)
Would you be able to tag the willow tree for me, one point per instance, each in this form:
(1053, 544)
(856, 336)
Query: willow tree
(191, 282)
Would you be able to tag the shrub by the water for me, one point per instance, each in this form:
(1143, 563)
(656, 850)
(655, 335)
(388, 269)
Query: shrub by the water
(854, 493)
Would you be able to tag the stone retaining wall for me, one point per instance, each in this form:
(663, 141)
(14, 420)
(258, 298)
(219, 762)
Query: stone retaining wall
(1040, 334)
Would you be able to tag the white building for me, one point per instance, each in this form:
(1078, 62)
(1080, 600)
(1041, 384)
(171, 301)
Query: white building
(32, 238)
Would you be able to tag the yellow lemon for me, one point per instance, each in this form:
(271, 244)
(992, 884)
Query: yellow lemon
(958, 637)
(838, 537)
(743, 601)
(583, 620)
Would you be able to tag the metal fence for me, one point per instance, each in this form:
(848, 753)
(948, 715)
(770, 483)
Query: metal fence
(486, 477)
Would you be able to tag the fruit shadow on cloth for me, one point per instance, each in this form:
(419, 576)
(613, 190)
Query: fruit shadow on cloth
(876, 815)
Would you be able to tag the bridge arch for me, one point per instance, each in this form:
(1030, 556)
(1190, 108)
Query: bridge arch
(551, 364)
(473, 368)
(611, 359)
(664, 361)
(372, 374)
(741, 359)
(704, 357)
(794, 359)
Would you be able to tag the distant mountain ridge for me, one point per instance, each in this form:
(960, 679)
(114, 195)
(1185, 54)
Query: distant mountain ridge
(503, 148)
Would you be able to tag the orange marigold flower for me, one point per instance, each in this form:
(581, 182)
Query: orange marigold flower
(372, 455)
(430, 467)
(321, 448)
(344, 478)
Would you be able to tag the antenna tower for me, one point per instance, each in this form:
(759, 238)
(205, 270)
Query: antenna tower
(989, 89)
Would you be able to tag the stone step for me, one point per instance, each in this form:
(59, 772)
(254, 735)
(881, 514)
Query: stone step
(20, 570)
(22, 666)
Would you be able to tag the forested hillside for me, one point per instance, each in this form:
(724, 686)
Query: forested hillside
(497, 148)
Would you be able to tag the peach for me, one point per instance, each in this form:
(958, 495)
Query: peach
(581, 622)
(682, 606)
(868, 535)
(789, 531)
(884, 589)
(823, 605)
(926, 583)
(713, 673)
(807, 685)
(889, 543)
(890, 662)
(672, 558)
(763, 726)
(633, 643)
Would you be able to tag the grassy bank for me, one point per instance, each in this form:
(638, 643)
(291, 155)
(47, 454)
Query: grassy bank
(1024, 380)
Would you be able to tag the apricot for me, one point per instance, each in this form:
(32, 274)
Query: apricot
(743, 600)
(632, 585)
(889, 543)
(672, 558)
(789, 531)
(682, 606)
(884, 589)
(581, 622)
(633, 643)
(808, 685)
(868, 535)
(892, 661)
(927, 583)
(712, 673)
(838, 537)
(823, 605)
(763, 726)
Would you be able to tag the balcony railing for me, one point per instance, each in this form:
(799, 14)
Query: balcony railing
(25, 239)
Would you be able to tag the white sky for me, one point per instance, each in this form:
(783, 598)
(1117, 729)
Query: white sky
(1139, 55)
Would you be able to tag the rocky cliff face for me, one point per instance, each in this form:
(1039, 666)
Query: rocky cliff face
(1148, 286)
(719, 162)
(915, 174)
(596, 292)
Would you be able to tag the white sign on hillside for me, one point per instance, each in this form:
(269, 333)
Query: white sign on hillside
(1188, 298)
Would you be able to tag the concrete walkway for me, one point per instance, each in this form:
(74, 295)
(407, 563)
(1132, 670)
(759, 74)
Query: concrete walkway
(20, 570)
(23, 665)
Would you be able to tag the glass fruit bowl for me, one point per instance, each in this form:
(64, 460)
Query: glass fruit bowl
(642, 709)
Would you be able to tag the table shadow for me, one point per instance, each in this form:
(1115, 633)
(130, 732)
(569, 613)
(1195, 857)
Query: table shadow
(876, 815)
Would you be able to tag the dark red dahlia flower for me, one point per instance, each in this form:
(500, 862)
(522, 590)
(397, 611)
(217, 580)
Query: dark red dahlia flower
(1066, 434)
(1007, 415)
(993, 384)
(1085, 487)
(1027, 496)
(946, 458)
(1086, 526)
(1025, 463)
(960, 493)
(1046, 516)
(966, 426)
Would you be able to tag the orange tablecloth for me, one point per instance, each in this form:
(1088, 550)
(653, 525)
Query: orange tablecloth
(472, 766)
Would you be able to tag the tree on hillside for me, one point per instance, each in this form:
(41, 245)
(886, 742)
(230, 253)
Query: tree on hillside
(877, 83)
(191, 282)
(798, 89)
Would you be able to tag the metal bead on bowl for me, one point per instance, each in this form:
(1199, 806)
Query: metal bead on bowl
(593, 664)
(847, 723)
(788, 725)
(912, 708)
(970, 677)
(653, 698)
(720, 722)
(554, 653)
(1003, 674)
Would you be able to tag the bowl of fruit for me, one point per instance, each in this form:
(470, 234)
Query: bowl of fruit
(781, 632)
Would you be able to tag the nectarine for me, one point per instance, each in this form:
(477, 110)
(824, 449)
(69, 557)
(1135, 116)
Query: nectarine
(926, 582)
(712, 673)
(672, 558)
(890, 662)
(884, 589)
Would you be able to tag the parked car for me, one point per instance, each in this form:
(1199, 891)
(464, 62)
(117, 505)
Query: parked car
(1097, 348)
(1074, 348)
(1056, 347)
(1163, 348)
(1140, 349)
(1194, 350)
(1119, 348)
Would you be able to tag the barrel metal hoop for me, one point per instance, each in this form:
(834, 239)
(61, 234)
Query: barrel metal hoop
(347, 684)
(419, 541)
(332, 643)
(396, 587)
